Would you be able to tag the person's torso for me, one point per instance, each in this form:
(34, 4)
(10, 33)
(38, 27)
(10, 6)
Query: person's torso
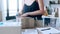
(31, 8)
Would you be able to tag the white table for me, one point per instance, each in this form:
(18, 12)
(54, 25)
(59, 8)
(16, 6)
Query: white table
(30, 31)
(50, 31)
(10, 27)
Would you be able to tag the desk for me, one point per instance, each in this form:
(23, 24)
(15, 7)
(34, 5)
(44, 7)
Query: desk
(50, 31)
(10, 28)
(38, 30)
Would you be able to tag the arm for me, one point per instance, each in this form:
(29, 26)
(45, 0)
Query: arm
(38, 12)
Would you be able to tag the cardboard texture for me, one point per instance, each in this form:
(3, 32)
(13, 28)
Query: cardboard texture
(39, 23)
(27, 22)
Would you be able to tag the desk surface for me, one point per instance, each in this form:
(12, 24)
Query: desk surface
(4, 24)
(38, 31)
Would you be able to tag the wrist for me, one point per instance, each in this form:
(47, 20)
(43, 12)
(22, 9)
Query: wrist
(28, 13)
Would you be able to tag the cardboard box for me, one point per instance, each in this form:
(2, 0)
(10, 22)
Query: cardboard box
(27, 22)
(39, 23)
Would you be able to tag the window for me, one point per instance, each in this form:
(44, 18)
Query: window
(11, 7)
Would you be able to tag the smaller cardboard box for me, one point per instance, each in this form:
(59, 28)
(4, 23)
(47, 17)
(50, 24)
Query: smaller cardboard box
(27, 22)
(39, 23)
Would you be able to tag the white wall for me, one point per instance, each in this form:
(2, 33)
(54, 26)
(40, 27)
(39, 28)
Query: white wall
(46, 2)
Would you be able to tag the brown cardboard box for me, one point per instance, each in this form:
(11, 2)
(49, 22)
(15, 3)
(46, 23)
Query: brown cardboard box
(39, 23)
(27, 22)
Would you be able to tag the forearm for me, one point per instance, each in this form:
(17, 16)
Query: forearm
(38, 12)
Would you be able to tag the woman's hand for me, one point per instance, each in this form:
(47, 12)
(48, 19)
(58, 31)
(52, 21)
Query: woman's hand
(24, 15)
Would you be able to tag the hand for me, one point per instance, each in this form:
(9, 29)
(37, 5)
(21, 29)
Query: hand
(24, 15)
